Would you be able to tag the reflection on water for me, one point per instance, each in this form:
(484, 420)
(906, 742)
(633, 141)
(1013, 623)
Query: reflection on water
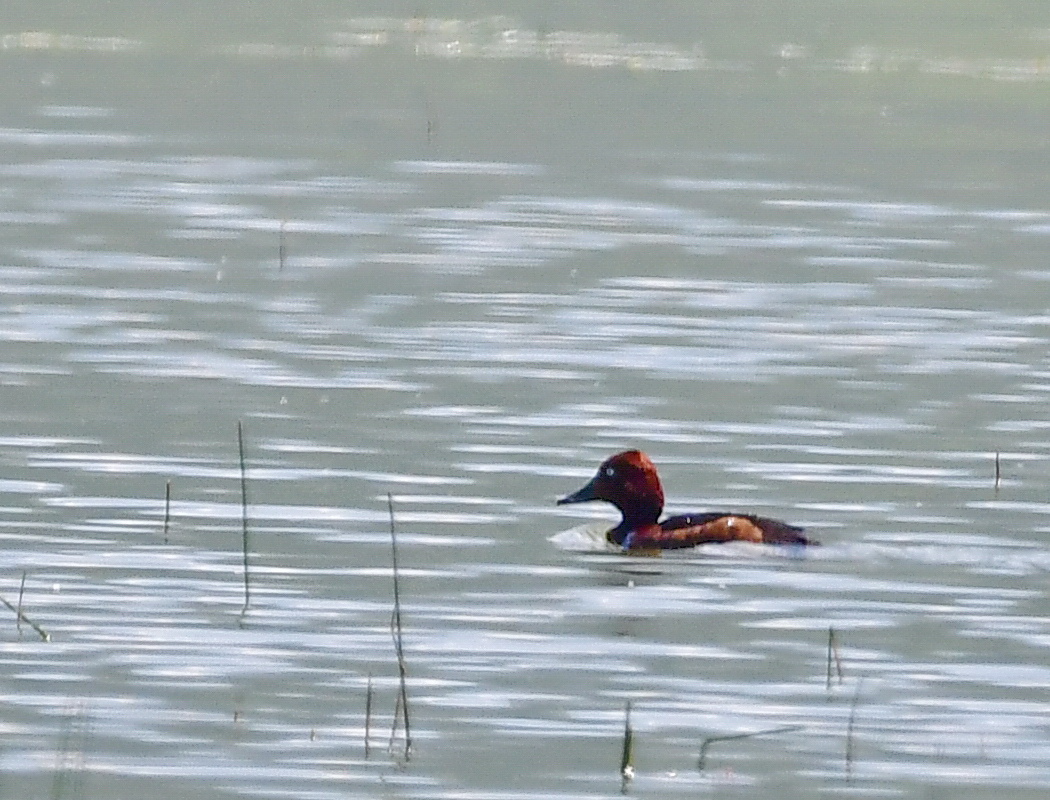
(503, 38)
(467, 330)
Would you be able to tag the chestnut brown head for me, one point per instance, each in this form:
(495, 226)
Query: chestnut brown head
(629, 481)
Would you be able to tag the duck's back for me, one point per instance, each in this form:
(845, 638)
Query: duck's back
(688, 530)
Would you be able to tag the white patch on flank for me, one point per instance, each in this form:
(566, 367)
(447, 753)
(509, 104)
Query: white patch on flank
(589, 537)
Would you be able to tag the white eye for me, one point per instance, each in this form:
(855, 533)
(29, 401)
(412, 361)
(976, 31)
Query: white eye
(609, 472)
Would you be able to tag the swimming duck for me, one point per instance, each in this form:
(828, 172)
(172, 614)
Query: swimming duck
(629, 481)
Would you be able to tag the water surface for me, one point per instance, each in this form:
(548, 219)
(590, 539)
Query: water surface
(455, 260)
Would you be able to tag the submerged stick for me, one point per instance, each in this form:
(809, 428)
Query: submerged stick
(998, 472)
(23, 618)
(710, 740)
(833, 654)
(244, 515)
(627, 756)
(396, 632)
(167, 509)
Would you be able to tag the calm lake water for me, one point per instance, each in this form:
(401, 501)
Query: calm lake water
(457, 259)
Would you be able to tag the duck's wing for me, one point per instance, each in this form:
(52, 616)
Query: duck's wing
(689, 530)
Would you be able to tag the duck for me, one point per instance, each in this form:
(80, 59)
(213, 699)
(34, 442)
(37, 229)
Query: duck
(630, 482)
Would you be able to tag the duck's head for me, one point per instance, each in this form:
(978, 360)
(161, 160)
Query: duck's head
(629, 481)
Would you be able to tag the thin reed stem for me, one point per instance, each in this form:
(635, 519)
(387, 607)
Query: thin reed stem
(850, 748)
(431, 121)
(280, 248)
(244, 516)
(167, 509)
(394, 724)
(710, 740)
(21, 595)
(998, 472)
(68, 780)
(368, 716)
(627, 755)
(396, 632)
(833, 656)
(18, 613)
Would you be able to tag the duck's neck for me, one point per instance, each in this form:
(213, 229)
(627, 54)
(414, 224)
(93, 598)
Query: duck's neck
(634, 518)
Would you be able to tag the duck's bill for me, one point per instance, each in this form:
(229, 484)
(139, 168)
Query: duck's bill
(581, 495)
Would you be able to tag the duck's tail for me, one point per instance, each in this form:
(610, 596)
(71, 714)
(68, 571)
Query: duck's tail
(776, 532)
